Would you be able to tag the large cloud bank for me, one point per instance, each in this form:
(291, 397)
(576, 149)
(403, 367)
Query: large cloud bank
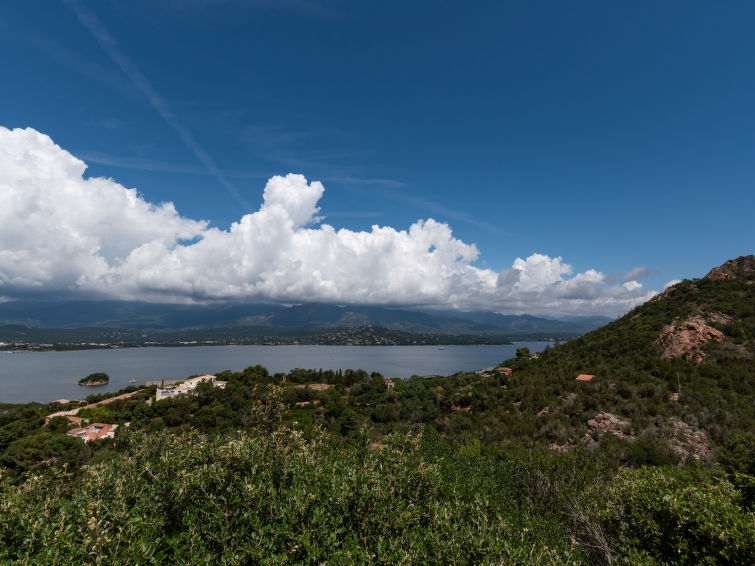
(63, 234)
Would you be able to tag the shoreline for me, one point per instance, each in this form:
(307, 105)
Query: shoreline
(54, 375)
(76, 348)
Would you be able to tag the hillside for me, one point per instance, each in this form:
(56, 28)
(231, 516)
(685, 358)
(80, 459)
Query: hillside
(681, 365)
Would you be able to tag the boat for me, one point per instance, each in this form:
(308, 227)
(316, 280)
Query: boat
(132, 381)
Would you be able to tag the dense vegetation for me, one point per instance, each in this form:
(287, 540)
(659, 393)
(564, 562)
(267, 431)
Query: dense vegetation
(318, 466)
(272, 494)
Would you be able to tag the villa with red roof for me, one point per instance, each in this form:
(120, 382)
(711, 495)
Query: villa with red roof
(94, 431)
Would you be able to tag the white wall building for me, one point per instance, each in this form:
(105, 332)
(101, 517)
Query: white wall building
(186, 386)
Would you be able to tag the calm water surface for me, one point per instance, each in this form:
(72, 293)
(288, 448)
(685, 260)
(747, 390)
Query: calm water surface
(45, 376)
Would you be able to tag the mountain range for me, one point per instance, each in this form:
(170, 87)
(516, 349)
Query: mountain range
(141, 315)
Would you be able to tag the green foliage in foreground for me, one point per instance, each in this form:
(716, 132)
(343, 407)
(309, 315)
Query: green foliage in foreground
(273, 499)
(278, 497)
(662, 514)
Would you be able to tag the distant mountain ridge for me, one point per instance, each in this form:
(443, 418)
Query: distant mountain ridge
(140, 315)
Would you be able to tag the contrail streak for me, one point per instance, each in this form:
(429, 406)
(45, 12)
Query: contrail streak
(93, 24)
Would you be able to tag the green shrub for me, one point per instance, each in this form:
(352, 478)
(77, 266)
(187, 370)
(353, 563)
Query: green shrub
(658, 515)
(273, 498)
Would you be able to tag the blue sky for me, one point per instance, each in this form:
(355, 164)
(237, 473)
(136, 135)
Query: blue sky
(612, 135)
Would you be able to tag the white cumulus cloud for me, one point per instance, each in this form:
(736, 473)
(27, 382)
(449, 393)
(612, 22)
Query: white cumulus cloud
(62, 233)
(57, 229)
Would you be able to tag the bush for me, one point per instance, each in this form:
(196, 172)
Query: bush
(663, 516)
(272, 498)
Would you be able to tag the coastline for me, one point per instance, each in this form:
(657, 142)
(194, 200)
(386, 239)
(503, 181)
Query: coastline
(76, 347)
(45, 376)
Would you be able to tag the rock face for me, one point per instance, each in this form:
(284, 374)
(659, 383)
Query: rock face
(686, 442)
(685, 339)
(608, 423)
(743, 267)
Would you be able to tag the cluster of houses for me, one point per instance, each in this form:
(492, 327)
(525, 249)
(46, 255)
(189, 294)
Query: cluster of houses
(95, 431)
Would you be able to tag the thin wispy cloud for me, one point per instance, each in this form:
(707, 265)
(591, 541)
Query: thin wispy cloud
(388, 183)
(111, 123)
(156, 165)
(307, 8)
(359, 185)
(443, 211)
(108, 43)
(354, 214)
(85, 67)
(290, 147)
(147, 164)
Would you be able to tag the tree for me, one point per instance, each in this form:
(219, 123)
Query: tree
(58, 424)
(522, 353)
(32, 452)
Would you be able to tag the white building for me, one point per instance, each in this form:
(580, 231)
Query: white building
(94, 431)
(186, 386)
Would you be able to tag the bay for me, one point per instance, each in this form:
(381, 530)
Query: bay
(46, 376)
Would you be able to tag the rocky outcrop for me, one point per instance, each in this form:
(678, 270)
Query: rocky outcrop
(544, 411)
(94, 383)
(685, 339)
(608, 423)
(741, 268)
(686, 442)
(561, 448)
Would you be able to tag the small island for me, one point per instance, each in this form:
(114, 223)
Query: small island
(92, 379)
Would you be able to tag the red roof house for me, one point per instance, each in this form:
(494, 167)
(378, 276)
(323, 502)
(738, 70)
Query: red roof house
(94, 432)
